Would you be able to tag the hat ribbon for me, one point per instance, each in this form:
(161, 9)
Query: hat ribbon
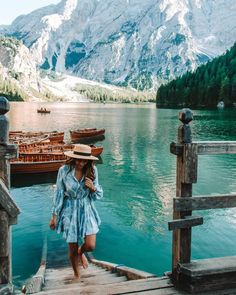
(81, 154)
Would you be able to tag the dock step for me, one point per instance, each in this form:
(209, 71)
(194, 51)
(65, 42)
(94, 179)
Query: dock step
(208, 274)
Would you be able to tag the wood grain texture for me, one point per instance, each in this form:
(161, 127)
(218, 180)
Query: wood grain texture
(205, 202)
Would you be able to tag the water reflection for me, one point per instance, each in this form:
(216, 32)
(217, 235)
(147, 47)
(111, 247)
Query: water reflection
(23, 180)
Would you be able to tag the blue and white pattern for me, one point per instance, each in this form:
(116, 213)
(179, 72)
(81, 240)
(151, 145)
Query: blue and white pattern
(74, 207)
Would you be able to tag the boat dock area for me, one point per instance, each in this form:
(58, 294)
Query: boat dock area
(204, 276)
(103, 278)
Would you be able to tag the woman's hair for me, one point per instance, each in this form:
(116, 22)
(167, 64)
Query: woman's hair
(88, 169)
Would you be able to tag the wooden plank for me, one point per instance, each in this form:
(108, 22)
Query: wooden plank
(34, 285)
(187, 222)
(165, 292)
(117, 288)
(181, 241)
(4, 234)
(176, 149)
(6, 202)
(130, 273)
(205, 202)
(6, 289)
(215, 147)
(208, 266)
(190, 161)
(207, 147)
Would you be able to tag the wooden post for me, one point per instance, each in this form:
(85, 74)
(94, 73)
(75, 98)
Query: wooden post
(8, 209)
(186, 174)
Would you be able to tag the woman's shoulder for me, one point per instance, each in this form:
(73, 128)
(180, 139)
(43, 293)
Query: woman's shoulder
(64, 169)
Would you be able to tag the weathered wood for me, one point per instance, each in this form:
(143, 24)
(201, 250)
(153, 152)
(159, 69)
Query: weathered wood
(181, 241)
(205, 202)
(190, 161)
(208, 266)
(5, 270)
(215, 147)
(208, 274)
(6, 201)
(4, 234)
(176, 149)
(206, 147)
(130, 273)
(34, 285)
(9, 209)
(6, 289)
(187, 222)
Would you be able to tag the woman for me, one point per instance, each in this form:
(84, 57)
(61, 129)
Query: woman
(73, 212)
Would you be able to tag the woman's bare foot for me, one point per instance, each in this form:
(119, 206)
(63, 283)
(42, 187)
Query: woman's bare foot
(83, 259)
(72, 278)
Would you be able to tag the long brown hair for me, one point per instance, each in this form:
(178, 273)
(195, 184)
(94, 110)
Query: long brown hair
(88, 169)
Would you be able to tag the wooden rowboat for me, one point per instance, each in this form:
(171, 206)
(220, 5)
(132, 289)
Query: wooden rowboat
(42, 161)
(82, 134)
(96, 150)
(37, 163)
(31, 138)
(42, 148)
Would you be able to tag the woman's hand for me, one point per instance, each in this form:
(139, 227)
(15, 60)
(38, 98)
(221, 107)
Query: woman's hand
(53, 222)
(89, 184)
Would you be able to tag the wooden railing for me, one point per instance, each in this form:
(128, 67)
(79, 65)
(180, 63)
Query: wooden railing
(187, 153)
(8, 208)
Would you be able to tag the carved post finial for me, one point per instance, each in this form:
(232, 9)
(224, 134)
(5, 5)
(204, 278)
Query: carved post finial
(4, 124)
(185, 116)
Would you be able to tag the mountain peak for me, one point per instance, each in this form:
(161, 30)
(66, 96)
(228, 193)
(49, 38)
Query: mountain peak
(128, 42)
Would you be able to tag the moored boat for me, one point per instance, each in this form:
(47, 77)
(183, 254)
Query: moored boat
(30, 138)
(42, 159)
(37, 163)
(84, 134)
(96, 150)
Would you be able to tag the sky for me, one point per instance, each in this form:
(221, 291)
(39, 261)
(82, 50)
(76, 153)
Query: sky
(10, 9)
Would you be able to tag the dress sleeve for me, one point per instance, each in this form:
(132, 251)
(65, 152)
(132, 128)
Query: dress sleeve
(98, 194)
(59, 195)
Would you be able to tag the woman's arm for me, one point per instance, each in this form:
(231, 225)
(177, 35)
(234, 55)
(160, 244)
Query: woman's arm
(58, 197)
(98, 193)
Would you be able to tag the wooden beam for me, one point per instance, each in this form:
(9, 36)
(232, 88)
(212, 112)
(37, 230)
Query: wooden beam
(205, 202)
(6, 201)
(208, 266)
(206, 147)
(189, 166)
(176, 149)
(215, 147)
(187, 222)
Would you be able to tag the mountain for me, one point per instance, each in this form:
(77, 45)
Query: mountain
(210, 84)
(127, 42)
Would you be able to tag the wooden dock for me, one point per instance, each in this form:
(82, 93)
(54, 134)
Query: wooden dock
(103, 278)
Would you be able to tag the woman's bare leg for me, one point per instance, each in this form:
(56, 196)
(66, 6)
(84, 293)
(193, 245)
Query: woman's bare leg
(74, 258)
(88, 246)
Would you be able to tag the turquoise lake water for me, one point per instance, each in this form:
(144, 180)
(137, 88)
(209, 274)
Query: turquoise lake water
(138, 177)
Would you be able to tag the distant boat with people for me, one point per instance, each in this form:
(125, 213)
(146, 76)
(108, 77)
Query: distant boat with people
(43, 111)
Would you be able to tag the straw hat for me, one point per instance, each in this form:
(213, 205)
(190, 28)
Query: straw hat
(81, 151)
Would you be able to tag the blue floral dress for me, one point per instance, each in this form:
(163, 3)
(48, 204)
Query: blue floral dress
(73, 204)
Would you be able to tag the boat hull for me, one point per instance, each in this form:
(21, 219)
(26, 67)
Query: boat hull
(35, 167)
(85, 136)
